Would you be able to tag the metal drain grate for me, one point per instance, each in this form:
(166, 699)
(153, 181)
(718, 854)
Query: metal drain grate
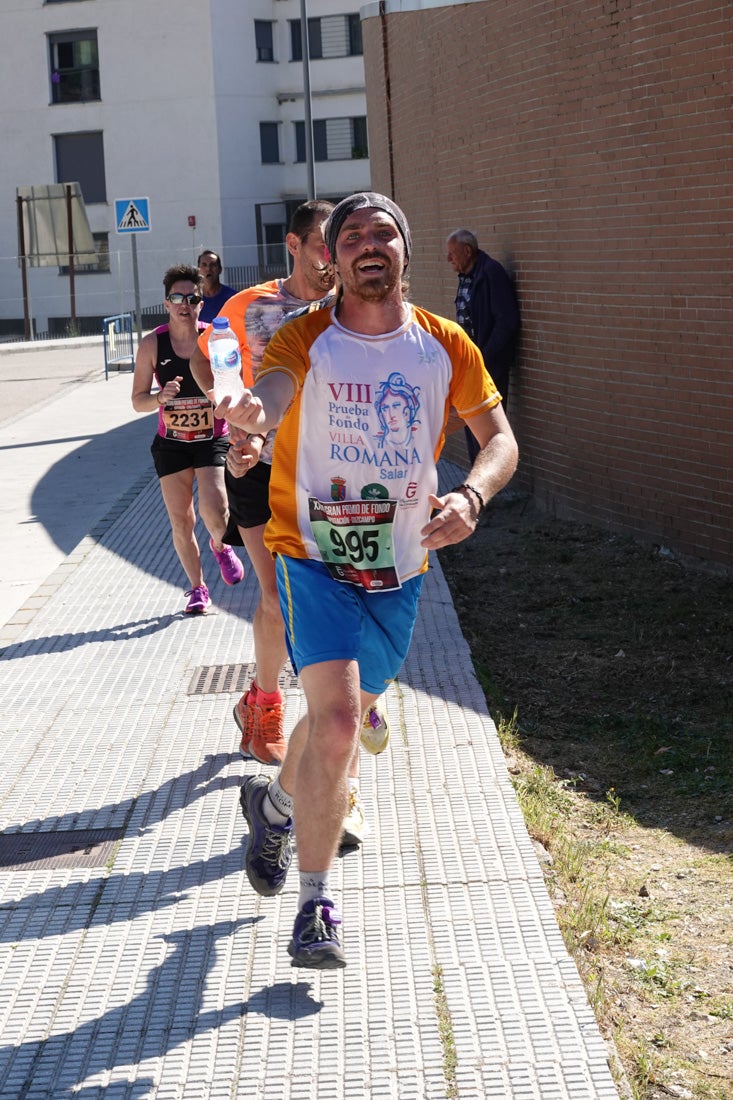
(43, 851)
(216, 679)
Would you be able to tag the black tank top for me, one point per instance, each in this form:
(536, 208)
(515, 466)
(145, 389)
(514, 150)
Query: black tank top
(168, 365)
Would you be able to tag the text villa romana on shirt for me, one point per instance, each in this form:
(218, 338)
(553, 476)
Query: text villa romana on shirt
(375, 426)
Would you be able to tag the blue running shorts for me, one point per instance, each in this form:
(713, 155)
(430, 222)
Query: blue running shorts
(326, 620)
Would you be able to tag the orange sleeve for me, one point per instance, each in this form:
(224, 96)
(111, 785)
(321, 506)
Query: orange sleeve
(235, 309)
(472, 388)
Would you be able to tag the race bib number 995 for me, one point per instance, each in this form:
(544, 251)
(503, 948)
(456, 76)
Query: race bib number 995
(354, 538)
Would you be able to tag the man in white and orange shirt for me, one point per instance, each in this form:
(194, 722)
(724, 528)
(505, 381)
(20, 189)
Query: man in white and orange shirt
(361, 393)
(254, 315)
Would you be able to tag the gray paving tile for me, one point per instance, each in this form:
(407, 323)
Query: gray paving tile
(162, 974)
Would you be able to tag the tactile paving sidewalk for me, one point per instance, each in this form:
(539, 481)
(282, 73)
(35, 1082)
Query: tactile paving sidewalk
(145, 966)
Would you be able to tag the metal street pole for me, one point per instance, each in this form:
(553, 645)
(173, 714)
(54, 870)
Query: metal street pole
(27, 331)
(136, 284)
(310, 171)
(72, 264)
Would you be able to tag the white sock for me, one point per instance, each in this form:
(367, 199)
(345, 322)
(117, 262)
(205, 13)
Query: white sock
(313, 884)
(277, 806)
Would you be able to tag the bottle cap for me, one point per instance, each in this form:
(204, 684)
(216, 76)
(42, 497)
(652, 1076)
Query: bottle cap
(220, 324)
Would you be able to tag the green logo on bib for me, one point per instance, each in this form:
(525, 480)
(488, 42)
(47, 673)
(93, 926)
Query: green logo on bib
(374, 492)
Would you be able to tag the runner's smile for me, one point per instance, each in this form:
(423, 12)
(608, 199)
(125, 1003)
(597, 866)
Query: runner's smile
(372, 265)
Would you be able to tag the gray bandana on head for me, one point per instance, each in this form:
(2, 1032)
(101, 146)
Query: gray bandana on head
(360, 201)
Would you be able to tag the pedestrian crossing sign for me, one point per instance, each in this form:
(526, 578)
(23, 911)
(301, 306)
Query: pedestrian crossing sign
(132, 215)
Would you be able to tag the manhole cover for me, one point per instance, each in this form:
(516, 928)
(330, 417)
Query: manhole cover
(73, 848)
(213, 679)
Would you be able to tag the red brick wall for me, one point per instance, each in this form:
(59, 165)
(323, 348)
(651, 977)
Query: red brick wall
(588, 144)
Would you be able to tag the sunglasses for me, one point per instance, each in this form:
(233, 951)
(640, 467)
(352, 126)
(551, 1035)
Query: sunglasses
(178, 299)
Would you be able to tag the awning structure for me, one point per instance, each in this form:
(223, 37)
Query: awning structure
(47, 236)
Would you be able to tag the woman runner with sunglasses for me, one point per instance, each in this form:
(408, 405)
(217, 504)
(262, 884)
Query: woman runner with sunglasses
(190, 442)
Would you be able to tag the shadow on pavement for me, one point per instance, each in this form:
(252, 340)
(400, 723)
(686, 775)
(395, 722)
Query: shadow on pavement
(165, 1015)
(82, 486)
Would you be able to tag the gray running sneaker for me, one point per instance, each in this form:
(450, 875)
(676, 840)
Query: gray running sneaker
(270, 847)
(315, 943)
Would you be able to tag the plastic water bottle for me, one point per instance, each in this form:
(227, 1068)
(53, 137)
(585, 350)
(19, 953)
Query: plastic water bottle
(226, 361)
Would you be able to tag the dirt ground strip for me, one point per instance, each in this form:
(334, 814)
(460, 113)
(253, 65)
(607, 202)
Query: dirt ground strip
(616, 662)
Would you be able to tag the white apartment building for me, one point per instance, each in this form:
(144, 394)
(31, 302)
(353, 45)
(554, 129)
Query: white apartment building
(198, 108)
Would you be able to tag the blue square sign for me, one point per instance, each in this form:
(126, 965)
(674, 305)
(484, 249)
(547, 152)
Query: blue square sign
(132, 215)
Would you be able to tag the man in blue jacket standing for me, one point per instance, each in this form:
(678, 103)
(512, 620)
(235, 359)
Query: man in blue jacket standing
(486, 308)
(216, 293)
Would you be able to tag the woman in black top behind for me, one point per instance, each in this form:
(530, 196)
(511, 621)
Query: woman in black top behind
(190, 442)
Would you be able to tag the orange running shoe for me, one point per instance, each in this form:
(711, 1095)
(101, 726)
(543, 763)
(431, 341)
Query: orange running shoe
(268, 744)
(263, 735)
(245, 720)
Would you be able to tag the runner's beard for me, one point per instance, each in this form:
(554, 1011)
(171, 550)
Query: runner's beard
(323, 276)
(375, 288)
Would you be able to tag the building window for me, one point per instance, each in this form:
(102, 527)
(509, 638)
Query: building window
(296, 39)
(320, 142)
(274, 244)
(334, 139)
(80, 157)
(263, 40)
(101, 244)
(74, 67)
(329, 36)
(356, 46)
(269, 143)
(359, 140)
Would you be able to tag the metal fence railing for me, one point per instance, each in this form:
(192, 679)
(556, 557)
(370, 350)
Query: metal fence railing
(244, 275)
(118, 348)
(240, 277)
